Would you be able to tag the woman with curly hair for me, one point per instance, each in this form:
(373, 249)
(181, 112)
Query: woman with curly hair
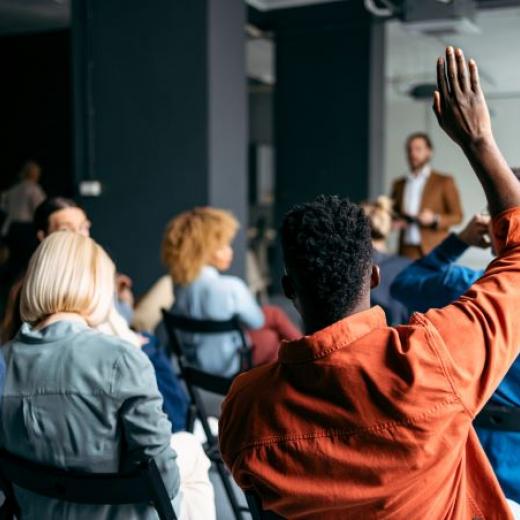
(196, 249)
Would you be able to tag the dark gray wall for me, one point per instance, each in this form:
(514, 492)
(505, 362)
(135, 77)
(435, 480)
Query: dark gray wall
(322, 103)
(156, 122)
(35, 108)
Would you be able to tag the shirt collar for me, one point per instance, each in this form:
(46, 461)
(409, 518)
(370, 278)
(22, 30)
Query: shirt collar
(52, 332)
(208, 271)
(335, 337)
(424, 173)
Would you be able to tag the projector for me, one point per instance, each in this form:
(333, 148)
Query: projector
(440, 17)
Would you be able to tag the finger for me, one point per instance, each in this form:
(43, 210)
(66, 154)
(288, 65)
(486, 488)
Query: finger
(453, 80)
(474, 76)
(437, 104)
(463, 71)
(442, 82)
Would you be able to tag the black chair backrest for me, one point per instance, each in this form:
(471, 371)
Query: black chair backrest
(204, 380)
(255, 508)
(498, 418)
(175, 324)
(145, 485)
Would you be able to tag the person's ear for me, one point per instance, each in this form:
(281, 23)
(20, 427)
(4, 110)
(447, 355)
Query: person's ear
(288, 287)
(375, 277)
(40, 235)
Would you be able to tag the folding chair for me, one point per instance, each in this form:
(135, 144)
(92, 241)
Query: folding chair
(255, 507)
(145, 485)
(196, 381)
(175, 324)
(498, 418)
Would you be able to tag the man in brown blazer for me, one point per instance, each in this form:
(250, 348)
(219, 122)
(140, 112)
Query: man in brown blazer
(426, 202)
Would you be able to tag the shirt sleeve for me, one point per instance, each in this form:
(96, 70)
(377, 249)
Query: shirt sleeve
(434, 281)
(478, 337)
(146, 429)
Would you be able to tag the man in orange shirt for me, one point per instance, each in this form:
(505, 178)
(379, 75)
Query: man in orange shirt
(358, 420)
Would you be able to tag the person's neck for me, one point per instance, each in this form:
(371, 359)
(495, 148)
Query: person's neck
(419, 169)
(314, 323)
(61, 316)
(379, 245)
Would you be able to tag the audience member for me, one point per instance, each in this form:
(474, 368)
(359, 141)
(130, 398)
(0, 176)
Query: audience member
(147, 313)
(196, 249)
(20, 202)
(73, 397)
(361, 420)
(436, 281)
(426, 201)
(379, 214)
(61, 214)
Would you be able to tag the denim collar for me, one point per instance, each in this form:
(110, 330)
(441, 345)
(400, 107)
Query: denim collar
(52, 332)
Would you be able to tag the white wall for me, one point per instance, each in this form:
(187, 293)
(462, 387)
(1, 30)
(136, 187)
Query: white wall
(404, 116)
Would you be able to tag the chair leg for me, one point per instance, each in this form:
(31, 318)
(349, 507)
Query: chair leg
(226, 482)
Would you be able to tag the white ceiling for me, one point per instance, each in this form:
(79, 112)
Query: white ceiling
(411, 58)
(266, 5)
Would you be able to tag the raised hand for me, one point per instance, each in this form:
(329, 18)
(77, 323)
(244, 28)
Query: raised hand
(459, 102)
(476, 233)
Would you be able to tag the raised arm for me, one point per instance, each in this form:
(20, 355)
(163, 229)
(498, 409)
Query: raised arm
(463, 114)
(478, 334)
(435, 280)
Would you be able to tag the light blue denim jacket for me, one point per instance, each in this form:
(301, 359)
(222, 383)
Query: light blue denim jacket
(213, 296)
(75, 398)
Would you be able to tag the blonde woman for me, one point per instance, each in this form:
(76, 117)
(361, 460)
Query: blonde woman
(74, 397)
(197, 248)
(380, 215)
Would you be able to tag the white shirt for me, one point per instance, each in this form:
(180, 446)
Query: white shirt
(412, 198)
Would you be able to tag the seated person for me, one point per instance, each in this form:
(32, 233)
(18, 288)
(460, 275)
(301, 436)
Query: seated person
(196, 249)
(362, 420)
(147, 312)
(436, 281)
(60, 214)
(379, 214)
(73, 397)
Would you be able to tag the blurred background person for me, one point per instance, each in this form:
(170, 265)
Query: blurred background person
(426, 201)
(21, 201)
(380, 215)
(197, 249)
(19, 204)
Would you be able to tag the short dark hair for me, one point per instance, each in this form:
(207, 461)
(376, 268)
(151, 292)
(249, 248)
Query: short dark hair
(327, 245)
(420, 135)
(49, 206)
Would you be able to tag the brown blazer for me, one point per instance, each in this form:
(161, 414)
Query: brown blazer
(442, 197)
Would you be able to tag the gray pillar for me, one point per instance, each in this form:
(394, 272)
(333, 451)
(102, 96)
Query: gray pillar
(160, 119)
(322, 108)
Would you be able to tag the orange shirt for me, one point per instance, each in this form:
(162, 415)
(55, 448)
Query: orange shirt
(366, 421)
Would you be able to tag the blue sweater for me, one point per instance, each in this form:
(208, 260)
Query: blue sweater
(435, 281)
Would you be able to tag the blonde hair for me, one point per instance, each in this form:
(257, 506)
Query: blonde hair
(68, 273)
(380, 214)
(192, 238)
